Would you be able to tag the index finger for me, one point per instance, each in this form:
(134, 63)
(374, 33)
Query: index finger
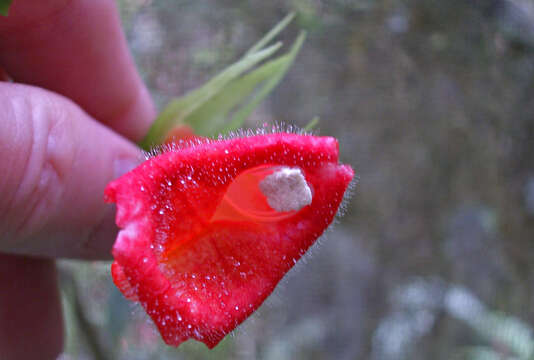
(77, 48)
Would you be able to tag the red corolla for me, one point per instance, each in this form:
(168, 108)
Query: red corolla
(208, 230)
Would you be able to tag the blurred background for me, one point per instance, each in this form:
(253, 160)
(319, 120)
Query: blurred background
(433, 104)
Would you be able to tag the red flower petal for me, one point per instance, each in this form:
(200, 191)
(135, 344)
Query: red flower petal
(201, 248)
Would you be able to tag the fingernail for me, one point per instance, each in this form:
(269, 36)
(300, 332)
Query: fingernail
(124, 165)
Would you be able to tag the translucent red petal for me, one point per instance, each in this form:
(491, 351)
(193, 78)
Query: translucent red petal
(199, 248)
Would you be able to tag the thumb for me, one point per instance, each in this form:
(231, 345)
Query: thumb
(56, 162)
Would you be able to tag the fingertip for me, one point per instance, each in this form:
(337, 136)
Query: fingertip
(134, 120)
(77, 48)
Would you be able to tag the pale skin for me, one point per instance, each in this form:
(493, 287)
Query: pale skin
(68, 125)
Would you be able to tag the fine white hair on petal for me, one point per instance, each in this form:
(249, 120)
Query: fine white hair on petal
(240, 133)
(286, 189)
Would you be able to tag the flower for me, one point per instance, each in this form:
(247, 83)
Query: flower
(208, 230)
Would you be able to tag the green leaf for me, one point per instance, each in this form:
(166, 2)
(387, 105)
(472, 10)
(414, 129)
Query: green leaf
(254, 87)
(177, 110)
(272, 33)
(312, 124)
(210, 118)
(4, 6)
(223, 103)
(276, 70)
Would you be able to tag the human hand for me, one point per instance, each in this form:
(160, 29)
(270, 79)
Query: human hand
(59, 148)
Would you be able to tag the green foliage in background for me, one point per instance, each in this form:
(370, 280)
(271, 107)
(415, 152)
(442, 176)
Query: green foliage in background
(4, 6)
(223, 103)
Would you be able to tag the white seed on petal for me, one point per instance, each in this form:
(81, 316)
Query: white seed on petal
(286, 189)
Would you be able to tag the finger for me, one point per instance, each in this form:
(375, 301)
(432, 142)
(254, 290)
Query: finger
(77, 48)
(58, 162)
(31, 325)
